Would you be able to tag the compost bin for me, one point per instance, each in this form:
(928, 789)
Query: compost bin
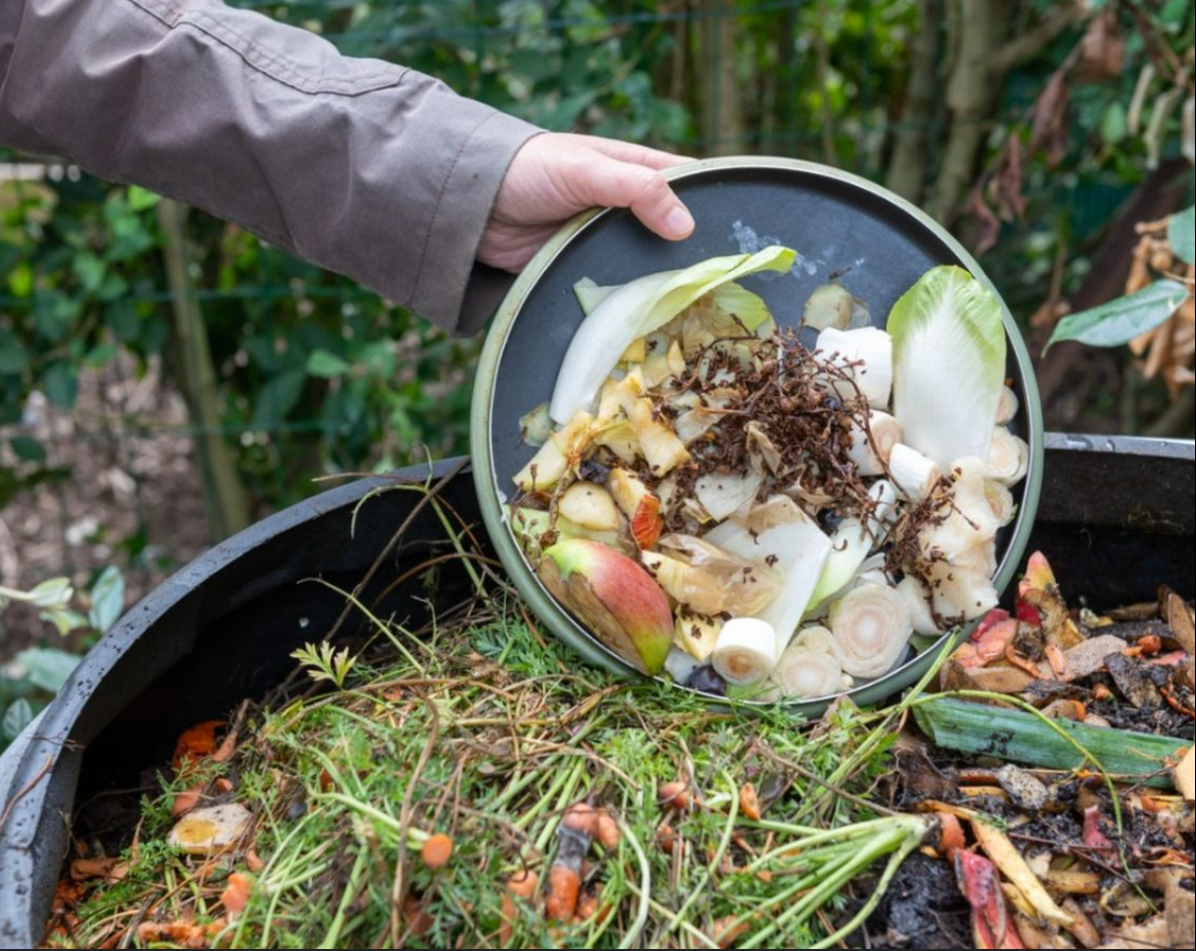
(1116, 516)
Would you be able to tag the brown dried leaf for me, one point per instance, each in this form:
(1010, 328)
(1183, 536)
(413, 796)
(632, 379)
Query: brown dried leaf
(1102, 50)
(112, 869)
(923, 780)
(1133, 680)
(1179, 619)
(1150, 934)
(988, 225)
(1048, 131)
(1185, 775)
(1181, 916)
(1089, 656)
(991, 679)
(1005, 186)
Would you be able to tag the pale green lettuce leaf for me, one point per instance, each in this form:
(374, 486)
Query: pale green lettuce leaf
(749, 308)
(948, 364)
(730, 297)
(590, 295)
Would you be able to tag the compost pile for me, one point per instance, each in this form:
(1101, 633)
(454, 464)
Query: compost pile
(469, 785)
(1053, 759)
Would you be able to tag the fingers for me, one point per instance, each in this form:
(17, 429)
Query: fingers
(635, 154)
(642, 189)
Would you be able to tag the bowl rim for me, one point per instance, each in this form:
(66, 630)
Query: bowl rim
(545, 607)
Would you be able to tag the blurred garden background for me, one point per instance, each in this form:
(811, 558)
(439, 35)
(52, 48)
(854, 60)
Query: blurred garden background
(166, 378)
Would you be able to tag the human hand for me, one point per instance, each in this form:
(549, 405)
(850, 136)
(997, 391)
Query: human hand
(556, 175)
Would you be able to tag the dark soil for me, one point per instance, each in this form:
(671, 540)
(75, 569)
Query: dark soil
(923, 908)
(1162, 720)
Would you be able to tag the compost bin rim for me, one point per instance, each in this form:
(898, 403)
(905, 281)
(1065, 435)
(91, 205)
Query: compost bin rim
(491, 496)
(1121, 445)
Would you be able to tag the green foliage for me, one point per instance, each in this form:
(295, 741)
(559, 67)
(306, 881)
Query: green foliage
(1123, 318)
(26, 684)
(107, 599)
(1181, 233)
(31, 679)
(47, 668)
(324, 662)
(317, 375)
(491, 748)
(18, 716)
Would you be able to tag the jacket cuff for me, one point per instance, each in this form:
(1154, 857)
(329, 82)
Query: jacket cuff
(449, 289)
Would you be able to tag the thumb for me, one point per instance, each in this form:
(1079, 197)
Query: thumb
(644, 190)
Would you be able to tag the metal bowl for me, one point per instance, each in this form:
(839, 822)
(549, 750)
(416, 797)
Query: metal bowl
(837, 222)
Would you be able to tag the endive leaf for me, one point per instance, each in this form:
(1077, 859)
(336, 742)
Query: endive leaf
(639, 308)
(733, 298)
(948, 364)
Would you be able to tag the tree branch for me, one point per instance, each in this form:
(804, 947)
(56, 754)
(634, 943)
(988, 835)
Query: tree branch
(1031, 43)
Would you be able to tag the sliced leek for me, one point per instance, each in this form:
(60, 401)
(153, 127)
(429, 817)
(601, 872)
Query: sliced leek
(1008, 457)
(746, 651)
(914, 475)
(866, 356)
(802, 672)
(916, 598)
(1000, 499)
(871, 455)
(1007, 406)
(872, 627)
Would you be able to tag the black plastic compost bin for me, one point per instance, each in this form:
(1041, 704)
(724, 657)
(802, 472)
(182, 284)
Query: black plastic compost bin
(1116, 520)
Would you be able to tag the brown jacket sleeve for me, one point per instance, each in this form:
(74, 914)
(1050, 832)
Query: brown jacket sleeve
(361, 166)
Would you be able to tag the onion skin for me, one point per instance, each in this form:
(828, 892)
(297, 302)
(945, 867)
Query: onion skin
(615, 597)
(829, 305)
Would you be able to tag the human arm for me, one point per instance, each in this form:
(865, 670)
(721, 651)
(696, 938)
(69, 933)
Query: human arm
(364, 167)
(361, 166)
